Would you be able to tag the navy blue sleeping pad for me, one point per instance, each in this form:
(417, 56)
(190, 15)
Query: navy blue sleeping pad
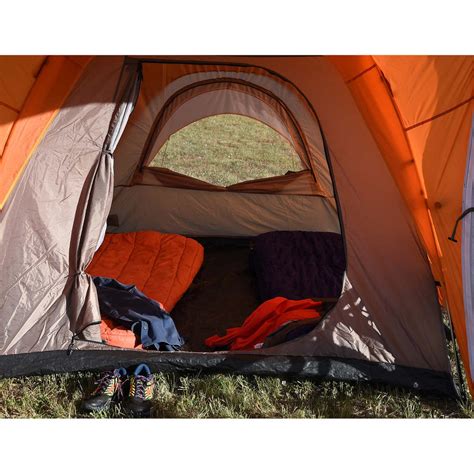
(299, 264)
(144, 316)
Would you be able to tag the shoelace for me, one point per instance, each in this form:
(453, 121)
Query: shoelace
(141, 383)
(103, 384)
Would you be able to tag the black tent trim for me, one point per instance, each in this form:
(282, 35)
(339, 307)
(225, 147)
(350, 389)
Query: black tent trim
(327, 368)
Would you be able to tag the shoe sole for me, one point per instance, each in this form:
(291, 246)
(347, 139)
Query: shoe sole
(99, 409)
(95, 410)
(136, 414)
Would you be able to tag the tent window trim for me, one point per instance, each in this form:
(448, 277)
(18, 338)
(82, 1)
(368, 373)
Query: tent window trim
(307, 179)
(277, 183)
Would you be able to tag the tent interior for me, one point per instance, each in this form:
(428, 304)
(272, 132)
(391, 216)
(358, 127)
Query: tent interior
(286, 208)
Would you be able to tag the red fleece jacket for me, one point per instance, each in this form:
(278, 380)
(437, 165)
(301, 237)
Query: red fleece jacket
(265, 320)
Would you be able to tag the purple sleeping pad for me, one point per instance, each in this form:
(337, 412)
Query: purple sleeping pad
(299, 265)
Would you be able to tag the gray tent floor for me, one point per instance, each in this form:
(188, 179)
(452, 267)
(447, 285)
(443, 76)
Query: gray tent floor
(222, 295)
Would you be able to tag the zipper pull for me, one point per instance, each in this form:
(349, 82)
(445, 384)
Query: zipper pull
(71, 345)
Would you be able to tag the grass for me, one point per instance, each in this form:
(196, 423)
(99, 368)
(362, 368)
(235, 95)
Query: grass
(222, 150)
(230, 139)
(228, 396)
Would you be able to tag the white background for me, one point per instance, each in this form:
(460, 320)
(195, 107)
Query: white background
(236, 27)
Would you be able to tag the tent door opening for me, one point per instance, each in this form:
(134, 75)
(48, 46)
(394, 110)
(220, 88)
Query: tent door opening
(241, 228)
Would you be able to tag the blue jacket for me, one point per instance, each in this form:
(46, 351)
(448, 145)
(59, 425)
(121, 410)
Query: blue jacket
(125, 303)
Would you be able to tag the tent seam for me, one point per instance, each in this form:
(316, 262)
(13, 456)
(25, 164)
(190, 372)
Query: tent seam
(451, 109)
(9, 107)
(360, 74)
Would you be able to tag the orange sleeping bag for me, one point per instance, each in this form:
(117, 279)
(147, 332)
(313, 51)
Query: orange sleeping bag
(162, 266)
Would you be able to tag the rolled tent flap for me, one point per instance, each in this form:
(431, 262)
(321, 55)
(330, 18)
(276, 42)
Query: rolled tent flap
(94, 207)
(223, 97)
(295, 183)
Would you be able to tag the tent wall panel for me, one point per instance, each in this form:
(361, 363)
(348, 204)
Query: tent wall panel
(40, 227)
(425, 86)
(207, 213)
(434, 96)
(370, 93)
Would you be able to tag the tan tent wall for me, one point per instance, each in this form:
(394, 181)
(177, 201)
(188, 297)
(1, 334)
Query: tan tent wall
(226, 214)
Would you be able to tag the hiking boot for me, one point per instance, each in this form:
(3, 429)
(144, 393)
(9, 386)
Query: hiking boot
(109, 386)
(142, 386)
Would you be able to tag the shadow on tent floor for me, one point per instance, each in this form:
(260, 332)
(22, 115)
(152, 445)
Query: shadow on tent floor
(222, 295)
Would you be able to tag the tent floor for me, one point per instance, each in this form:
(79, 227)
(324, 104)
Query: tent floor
(222, 295)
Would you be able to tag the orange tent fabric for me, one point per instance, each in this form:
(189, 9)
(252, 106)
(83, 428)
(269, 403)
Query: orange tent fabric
(38, 101)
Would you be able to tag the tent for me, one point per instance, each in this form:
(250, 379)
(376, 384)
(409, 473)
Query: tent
(387, 164)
